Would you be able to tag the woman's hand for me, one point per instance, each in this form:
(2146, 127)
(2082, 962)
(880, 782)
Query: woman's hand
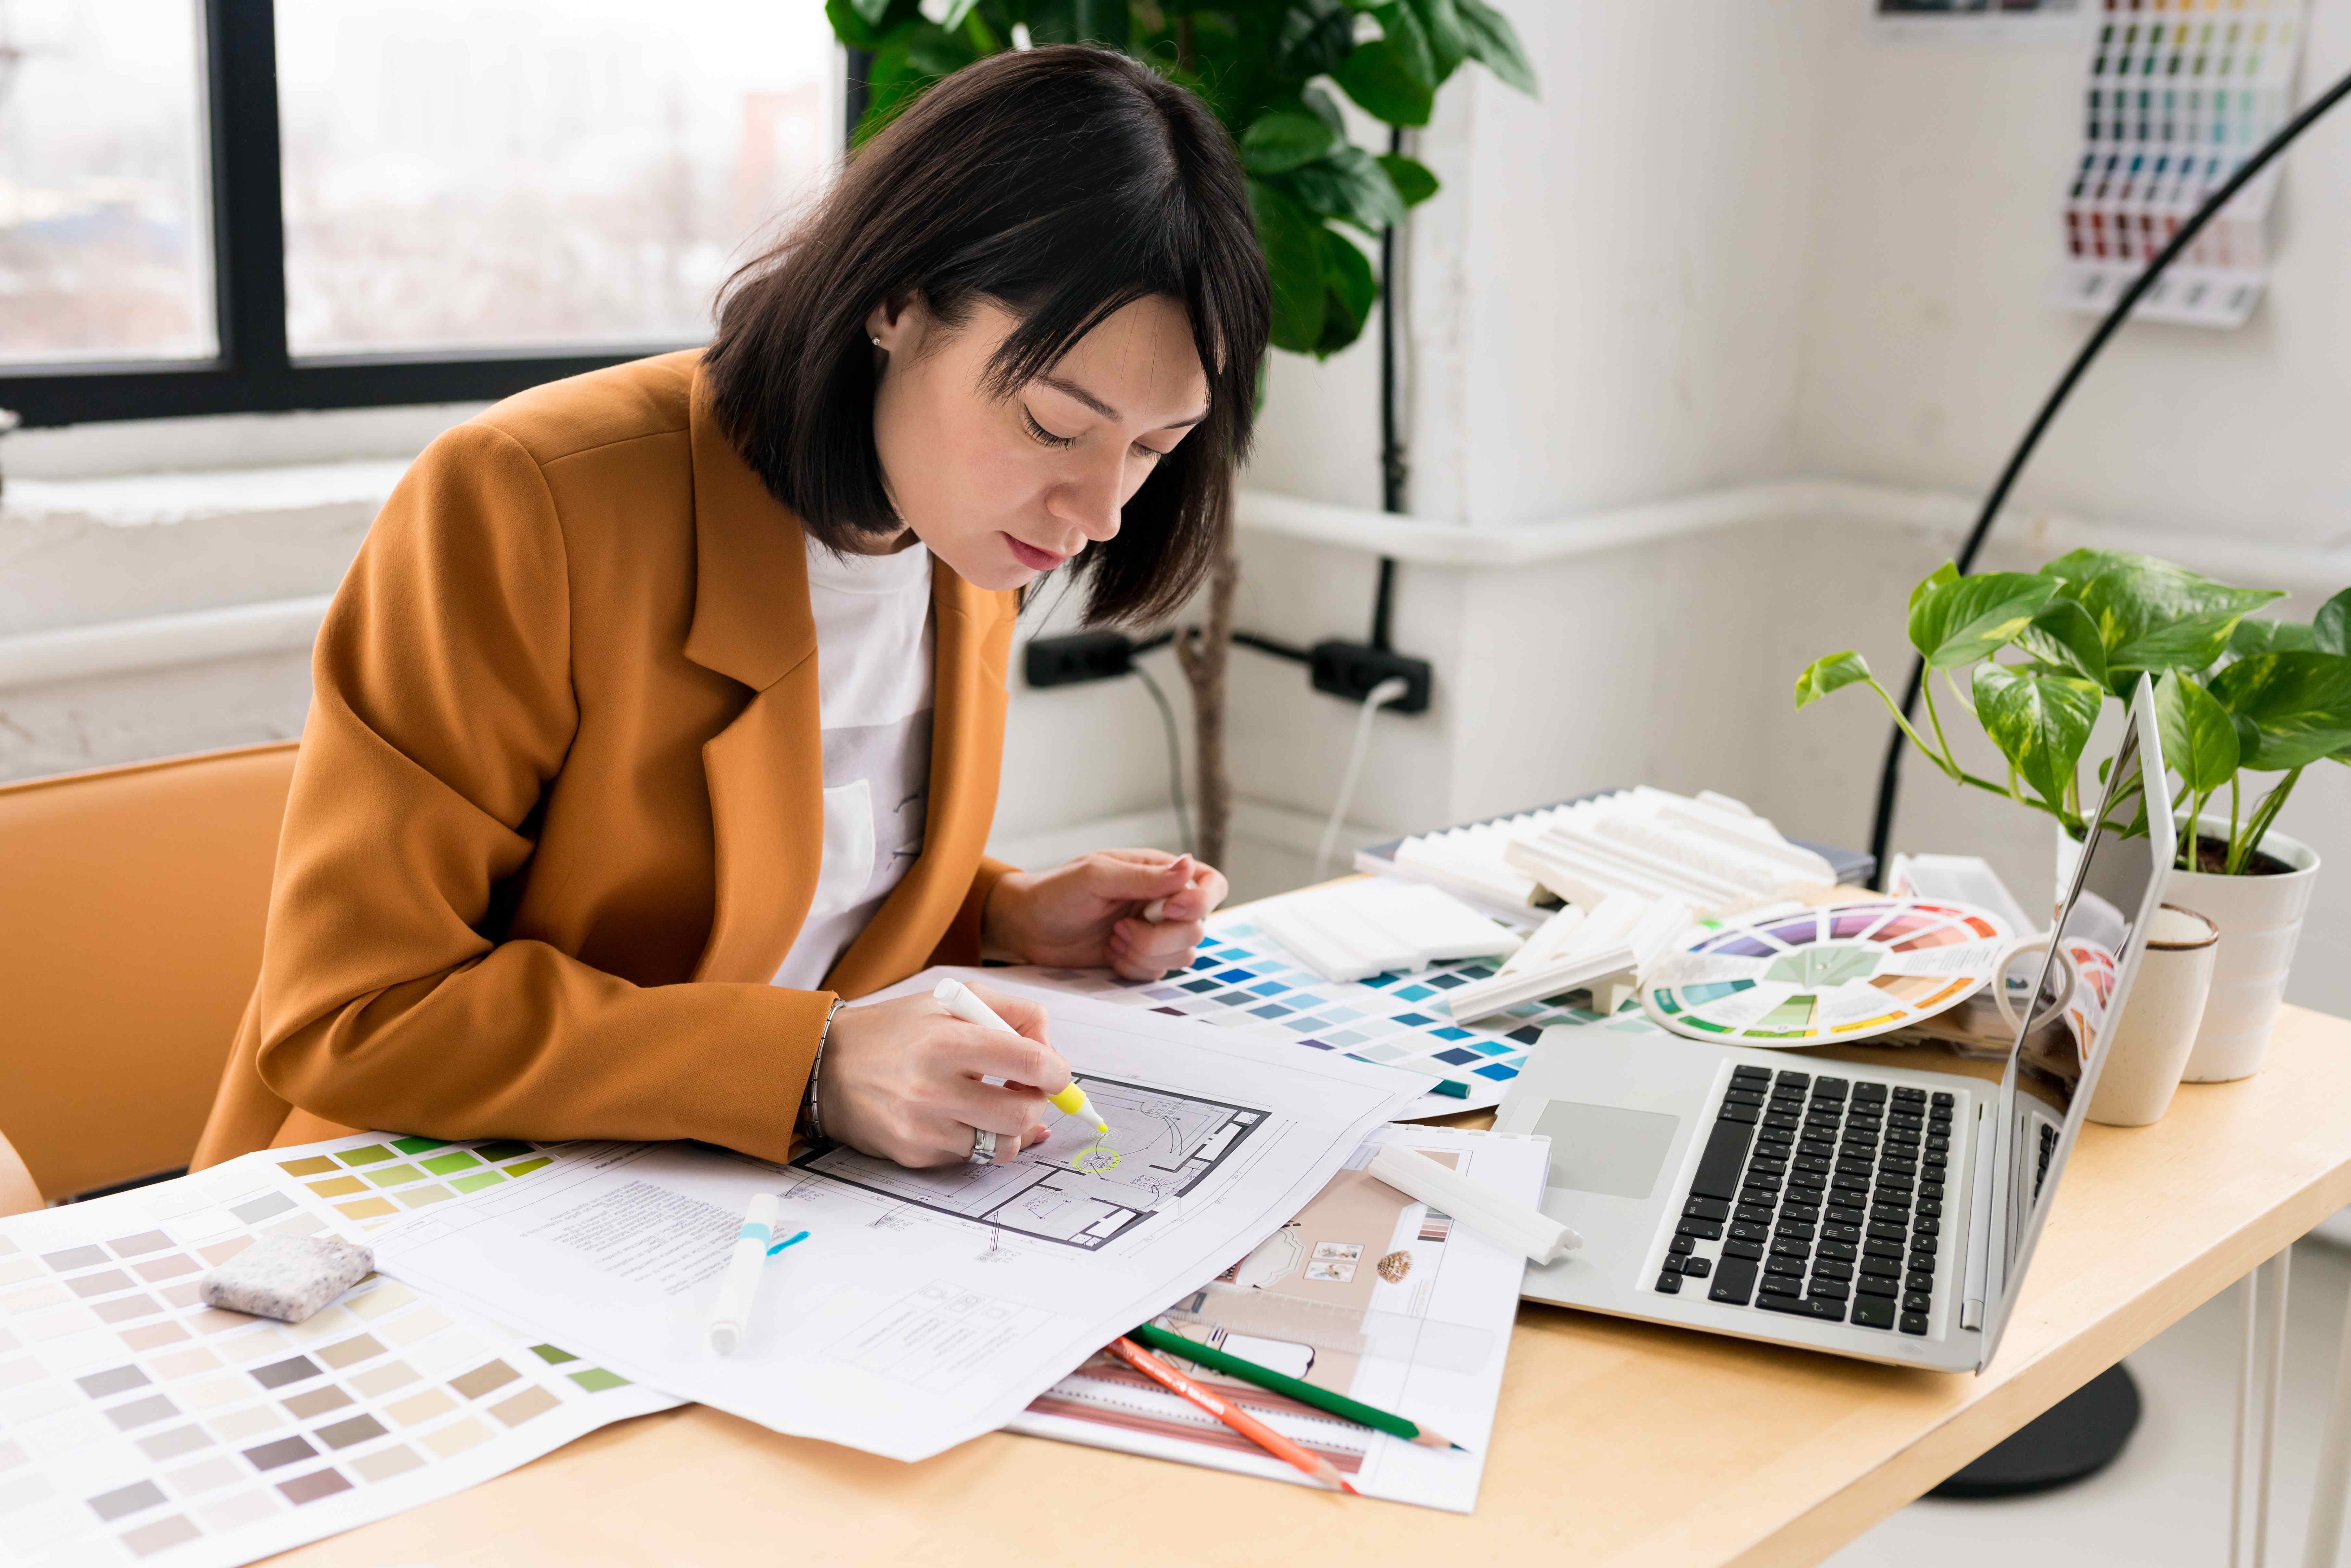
(900, 1080)
(1092, 912)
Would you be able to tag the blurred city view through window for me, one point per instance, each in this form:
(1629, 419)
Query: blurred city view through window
(478, 174)
(105, 210)
(458, 176)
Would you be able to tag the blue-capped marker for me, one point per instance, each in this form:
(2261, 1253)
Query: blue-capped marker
(752, 1250)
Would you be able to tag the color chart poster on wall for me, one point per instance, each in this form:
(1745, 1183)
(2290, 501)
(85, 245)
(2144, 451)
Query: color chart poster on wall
(1981, 21)
(2177, 95)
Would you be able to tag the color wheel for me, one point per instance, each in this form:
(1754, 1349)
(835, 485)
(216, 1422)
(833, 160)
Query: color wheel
(1844, 972)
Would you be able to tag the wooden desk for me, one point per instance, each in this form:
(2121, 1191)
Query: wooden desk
(1617, 1442)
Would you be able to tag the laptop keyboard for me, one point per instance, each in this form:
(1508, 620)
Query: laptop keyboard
(1818, 1197)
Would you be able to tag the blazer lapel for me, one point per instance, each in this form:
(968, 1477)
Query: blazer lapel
(974, 640)
(766, 770)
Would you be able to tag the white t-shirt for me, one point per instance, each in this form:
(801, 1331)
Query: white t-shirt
(874, 655)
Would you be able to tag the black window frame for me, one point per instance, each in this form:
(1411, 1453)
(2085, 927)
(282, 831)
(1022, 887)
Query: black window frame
(254, 373)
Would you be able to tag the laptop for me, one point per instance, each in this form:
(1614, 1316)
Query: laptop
(1866, 1200)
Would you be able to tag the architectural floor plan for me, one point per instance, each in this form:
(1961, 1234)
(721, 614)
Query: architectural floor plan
(1078, 1187)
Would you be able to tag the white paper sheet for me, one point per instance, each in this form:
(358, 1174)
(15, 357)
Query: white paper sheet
(137, 1424)
(1434, 1301)
(926, 1307)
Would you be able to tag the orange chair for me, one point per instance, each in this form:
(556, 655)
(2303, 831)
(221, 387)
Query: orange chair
(132, 906)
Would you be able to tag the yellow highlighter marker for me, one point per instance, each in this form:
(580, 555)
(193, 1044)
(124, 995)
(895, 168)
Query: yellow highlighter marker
(959, 1001)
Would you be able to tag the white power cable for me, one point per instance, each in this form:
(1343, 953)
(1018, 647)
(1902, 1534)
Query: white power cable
(1393, 689)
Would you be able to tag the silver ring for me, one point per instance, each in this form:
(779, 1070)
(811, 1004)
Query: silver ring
(983, 1148)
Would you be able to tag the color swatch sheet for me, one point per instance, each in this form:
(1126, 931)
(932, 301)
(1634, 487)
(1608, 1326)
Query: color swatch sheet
(1424, 1308)
(2178, 95)
(926, 1307)
(1242, 979)
(136, 1425)
(1844, 971)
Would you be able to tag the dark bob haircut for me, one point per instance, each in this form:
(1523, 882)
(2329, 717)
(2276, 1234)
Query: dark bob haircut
(1063, 184)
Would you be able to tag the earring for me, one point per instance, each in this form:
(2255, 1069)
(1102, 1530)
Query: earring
(875, 342)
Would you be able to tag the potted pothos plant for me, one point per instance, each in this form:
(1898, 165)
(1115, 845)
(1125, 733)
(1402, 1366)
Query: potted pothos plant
(2033, 657)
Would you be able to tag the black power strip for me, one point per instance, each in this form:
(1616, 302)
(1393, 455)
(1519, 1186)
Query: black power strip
(1348, 670)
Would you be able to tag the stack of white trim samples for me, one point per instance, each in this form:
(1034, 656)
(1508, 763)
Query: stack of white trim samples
(1710, 854)
(1577, 950)
(1358, 929)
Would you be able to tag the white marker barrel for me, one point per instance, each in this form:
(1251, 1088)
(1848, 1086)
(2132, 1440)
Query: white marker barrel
(732, 1317)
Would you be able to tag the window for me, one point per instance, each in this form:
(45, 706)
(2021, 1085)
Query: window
(211, 206)
(104, 226)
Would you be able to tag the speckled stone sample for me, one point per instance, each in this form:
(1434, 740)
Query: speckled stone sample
(286, 1277)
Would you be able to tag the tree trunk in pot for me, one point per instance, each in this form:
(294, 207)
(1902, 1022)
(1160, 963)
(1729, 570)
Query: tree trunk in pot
(1205, 654)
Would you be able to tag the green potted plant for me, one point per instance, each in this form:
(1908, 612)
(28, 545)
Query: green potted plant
(2034, 656)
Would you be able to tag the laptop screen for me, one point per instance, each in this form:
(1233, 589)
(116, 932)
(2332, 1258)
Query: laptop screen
(2101, 930)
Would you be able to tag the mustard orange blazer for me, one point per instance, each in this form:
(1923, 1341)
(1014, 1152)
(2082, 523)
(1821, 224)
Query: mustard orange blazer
(559, 808)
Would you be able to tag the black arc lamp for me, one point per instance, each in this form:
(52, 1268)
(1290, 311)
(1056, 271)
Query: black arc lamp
(2085, 1431)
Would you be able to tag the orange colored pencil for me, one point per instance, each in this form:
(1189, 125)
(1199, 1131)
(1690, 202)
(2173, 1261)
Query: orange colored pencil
(1231, 1415)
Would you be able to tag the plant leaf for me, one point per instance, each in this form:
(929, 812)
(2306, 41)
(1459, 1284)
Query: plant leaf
(2299, 703)
(1947, 572)
(2200, 740)
(1383, 82)
(2155, 616)
(892, 81)
(936, 53)
(1829, 673)
(1313, 40)
(2079, 565)
(2252, 637)
(1414, 181)
(1283, 140)
(1408, 37)
(1293, 261)
(2040, 723)
(866, 23)
(2330, 629)
(1449, 45)
(1348, 186)
(2063, 636)
(1349, 291)
(952, 13)
(1107, 22)
(1325, 108)
(1489, 38)
(1963, 618)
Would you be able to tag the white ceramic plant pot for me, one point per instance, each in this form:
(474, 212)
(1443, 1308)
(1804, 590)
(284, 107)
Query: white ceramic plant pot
(2260, 919)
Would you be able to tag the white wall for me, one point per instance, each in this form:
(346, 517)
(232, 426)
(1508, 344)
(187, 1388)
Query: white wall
(1928, 344)
(1601, 311)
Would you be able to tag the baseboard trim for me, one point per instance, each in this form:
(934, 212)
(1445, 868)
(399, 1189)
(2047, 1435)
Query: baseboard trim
(159, 641)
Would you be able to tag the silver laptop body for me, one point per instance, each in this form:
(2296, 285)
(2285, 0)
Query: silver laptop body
(1633, 1120)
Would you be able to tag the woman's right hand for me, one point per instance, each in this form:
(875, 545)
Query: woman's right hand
(902, 1080)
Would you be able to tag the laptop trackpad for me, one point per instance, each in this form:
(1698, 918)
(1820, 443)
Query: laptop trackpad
(1605, 1148)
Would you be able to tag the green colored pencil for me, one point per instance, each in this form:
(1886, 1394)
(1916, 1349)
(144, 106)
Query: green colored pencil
(1299, 1389)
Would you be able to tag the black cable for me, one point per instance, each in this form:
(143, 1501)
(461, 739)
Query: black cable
(1174, 758)
(1279, 649)
(1392, 463)
(1889, 778)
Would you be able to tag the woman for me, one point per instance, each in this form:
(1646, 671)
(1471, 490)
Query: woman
(663, 709)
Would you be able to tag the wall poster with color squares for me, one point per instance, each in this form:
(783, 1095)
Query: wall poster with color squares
(139, 1425)
(2178, 95)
